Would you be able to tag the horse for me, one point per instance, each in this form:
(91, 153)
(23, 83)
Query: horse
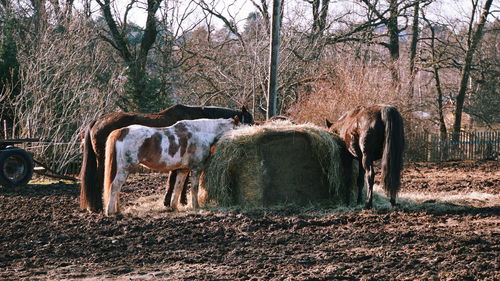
(94, 142)
(184, 146)
(372, 133)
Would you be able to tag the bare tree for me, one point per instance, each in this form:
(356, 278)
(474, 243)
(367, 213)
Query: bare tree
(475, 34)
(274, 59)
(414, 36)
(227, 65)
(388, 16)
(67, 80)
(177, 23)
(436, 62)
(135, 59)
(485, 85)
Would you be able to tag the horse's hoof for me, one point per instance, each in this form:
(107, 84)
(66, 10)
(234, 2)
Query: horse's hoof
(169, 209)
(393, 203)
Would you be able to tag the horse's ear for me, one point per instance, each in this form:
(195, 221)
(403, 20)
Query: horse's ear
(236, 120)
(328, 123)
(244, 109)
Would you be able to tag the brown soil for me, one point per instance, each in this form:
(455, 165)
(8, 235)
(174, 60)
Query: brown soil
(44, 236)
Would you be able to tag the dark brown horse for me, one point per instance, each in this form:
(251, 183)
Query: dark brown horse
(92, 171)
(372, 133)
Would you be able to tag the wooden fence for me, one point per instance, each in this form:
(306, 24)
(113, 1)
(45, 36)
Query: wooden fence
(424, 146)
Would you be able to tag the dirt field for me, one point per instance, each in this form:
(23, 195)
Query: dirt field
(446, 228)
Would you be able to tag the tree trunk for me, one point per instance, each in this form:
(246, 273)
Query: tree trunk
(391, 23)
(466, 68)
(442, 125)
(414, 37)
(413, 48)
(392, 28)
(40, 16)
(273, 60)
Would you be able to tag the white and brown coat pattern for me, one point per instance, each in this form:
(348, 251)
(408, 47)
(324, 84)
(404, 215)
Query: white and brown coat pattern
(183, 146)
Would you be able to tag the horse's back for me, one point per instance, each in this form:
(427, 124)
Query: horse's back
(363, 129)
(181, 145)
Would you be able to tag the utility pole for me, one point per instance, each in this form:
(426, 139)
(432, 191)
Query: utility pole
(273, 59)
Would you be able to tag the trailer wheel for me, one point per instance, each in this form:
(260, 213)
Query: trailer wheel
(16, 167)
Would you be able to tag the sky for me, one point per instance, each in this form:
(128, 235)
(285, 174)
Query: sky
(239, 9)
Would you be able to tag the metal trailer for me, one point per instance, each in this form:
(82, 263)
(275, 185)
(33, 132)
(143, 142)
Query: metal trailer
(16, 164)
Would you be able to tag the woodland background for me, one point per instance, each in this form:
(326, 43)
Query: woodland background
(63, 63)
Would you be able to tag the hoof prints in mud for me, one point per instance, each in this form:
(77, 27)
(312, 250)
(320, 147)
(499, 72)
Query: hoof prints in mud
(45, 237)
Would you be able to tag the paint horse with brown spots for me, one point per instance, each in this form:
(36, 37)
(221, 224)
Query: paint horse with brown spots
(184, 147)
(94, 143)
(372, 133)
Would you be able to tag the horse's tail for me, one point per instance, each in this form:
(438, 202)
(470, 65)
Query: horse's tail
(392, 157)
(90, 195)
(109, 165)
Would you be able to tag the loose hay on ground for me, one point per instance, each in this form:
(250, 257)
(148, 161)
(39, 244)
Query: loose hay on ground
(280, 163)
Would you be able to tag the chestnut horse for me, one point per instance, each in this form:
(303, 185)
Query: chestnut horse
(185, 147)
(372, 133)
(92, 170)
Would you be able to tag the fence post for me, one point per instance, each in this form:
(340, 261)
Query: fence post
(470, 145)
(427, 144)
(461, 146)
(482, 140)
(5, 129)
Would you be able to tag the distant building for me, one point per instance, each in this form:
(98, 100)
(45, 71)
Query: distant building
(469, 121)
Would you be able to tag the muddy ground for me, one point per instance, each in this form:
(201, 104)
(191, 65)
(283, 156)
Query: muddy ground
(446, 228)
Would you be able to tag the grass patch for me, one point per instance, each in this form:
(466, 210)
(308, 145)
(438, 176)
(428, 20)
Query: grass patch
(41, 180)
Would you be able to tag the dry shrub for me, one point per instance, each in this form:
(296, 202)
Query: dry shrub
(68, 79)
(352, 85)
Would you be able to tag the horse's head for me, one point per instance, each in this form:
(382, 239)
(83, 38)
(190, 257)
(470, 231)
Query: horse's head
(224, 125)
(246, 116)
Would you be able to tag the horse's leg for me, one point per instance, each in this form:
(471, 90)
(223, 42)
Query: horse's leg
(369, 180)
(100, 176)
(179, 185)
(111, 201)
(360, 181)
(183, 199)
(170, 188)
(195, 181)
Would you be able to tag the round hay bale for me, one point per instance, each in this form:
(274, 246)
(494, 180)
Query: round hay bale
(279, 163)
